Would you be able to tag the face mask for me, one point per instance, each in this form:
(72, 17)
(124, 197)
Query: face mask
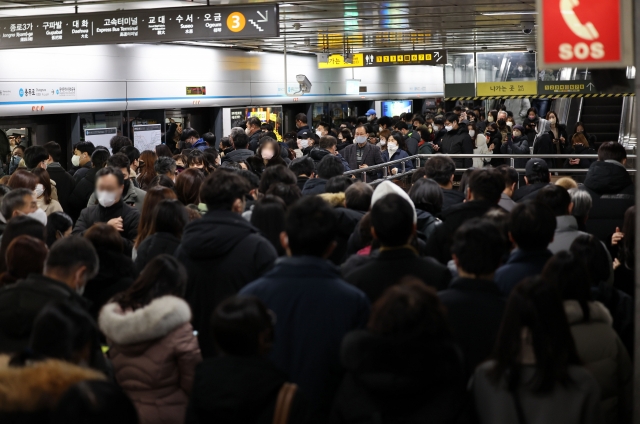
(319, 133)
(267, 154)
(520, 68)
(106, 198)
(448, 127)
(490, 118)
(39, 215)
(360, 139)
(472, 133)
(552, 121)
(509, 123)
(80, 290)
(383, 142)
(516, 134)
(75, 160)
(435, 128)
(247, 131)
(39, 190)
(532, 118)
(303, 143)
(392, 147)
(370, 118)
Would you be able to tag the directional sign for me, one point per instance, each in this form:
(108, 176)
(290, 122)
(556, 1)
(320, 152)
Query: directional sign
(141, 26)
(394, 58)
(502, 88)
(575, 87)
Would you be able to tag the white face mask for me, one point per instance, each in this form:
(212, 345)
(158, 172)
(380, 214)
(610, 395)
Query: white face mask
(509, 123)
(303, 143)
(360, 139)
(435, 128)
(106, 198)
(490, 118)
(472, 133)
(39, 190)
(383, 142)
(319, 133)
(75, 160)
(392, 147)
(520, 68)
(448, 127)
(516, 134)
(267, 154)
(370, 118)
(247, 131)
(552, 121)
(39, 215)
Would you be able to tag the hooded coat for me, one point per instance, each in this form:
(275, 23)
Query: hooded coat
(612, 192)
(222, 252)
(457, 142)
(391, 381)
(154, 354)
(604, 355)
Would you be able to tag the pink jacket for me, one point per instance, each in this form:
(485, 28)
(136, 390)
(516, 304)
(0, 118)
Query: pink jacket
(154, 354)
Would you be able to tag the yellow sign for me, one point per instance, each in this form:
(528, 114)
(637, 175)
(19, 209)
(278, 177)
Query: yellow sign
(236, 22)
(507, 88)
(337, 61)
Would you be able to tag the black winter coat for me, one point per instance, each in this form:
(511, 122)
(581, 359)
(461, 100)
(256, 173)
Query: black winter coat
(240, 390)
(254, 140)
(612, 192)
(579, 149)
(81, 194)
(458, 142)
(348, 220)
(528, 192)
(392, 381)
(391, 266)
(116, 274)
(544, 146)
(65, 184)
(155, 245)
(451, 197)
(427, 223)
(439, 244)
(222, 253)
(130, 219)
(314, 186)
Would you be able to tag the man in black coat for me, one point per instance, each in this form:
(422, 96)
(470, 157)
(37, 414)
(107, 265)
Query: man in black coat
(330, 166)
(305, 170)
(611, 189)
(254, 132)
(474, 303)
(85, 187)
(111, 209)
(537, 176)
(485, 188)
(362, 154)
(327, 146)
(81, 160)
(442, 169)
(393, 220)
(70, 264)
(457, 141)
(357, 204)
(241, 152)
(222, 252)
(64, 181)
(302, 126)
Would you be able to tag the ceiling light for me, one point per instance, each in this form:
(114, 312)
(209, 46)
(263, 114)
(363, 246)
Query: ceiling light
(287, 5)
(515, 12)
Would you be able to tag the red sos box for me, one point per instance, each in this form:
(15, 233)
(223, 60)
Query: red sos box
(594, 33)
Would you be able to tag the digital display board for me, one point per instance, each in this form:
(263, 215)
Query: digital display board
(396, 107)
(141, 26)
(266, 114)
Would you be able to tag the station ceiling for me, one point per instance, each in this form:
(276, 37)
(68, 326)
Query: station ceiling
(315, 26)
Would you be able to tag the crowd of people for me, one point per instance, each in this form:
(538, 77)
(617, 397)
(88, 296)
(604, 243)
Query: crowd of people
(251, 281)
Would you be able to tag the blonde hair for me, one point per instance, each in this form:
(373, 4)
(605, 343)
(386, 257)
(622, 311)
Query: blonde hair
(579, 138)
(567, 183)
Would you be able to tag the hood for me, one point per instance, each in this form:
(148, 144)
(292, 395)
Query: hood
(151, 322)
(227, 394)
(198, 143)
(216, 234)
(382, 364)
(607, 178)
(114, 265)
(597, 313)
(333, 199)
(424, 218)
(314, 182)
(39, 386)
(318, 154)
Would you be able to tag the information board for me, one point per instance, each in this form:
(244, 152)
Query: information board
(507, 88)
(141, 26)
(389, 58)
(100, 136)
(147, 137)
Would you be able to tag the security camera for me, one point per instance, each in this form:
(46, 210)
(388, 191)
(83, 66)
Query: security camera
(527, 27)
(305, 84)
(297, 26)
(531, 49)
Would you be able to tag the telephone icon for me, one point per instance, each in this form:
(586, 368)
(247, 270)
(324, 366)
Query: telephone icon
(585, 31)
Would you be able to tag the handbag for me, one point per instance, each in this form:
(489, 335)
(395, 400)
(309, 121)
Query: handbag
(283, 403)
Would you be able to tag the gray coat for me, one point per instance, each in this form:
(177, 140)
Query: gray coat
(133, 197)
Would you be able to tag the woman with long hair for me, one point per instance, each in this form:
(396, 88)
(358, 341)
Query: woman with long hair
(535, 375)
(267, 154)
(146, 169)
(397, 149)
(154, 196)
(187, 186)
(580, 146)
(43, 192)
(152, 346)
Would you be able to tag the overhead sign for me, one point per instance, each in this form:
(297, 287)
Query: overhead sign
(393, 58)
(507, 88)
(196, 91)
(100, 136)
(141, 26)
(594, 33)
(577, 87)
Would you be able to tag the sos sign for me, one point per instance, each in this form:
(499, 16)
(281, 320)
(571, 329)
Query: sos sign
(592, 33)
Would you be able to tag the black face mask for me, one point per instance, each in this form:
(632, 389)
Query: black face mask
(127, 184)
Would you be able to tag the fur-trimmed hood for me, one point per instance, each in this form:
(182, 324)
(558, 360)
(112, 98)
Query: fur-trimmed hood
(39, 386)
(151, 322)
(597, 312)
(333, 199)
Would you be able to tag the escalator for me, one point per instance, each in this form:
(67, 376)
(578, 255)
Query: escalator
(601, 117)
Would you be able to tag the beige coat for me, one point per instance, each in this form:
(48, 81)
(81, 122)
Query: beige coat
(604, 355)
(154, 355)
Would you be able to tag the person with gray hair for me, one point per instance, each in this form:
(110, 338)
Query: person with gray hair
(20, 201)
(234, 132)
(582, 203)
(166, 166)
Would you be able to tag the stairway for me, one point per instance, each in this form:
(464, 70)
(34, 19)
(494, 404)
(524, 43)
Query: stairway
(601, 117)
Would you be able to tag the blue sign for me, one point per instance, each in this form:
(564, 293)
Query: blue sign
(21, 92)
(57, 91)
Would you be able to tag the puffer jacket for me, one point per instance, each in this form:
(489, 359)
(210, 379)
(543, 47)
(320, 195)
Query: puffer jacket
(604, 355)
(481, 149)
(154, 354)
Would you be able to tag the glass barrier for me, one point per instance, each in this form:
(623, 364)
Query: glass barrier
(459, 68)
(506, 66)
